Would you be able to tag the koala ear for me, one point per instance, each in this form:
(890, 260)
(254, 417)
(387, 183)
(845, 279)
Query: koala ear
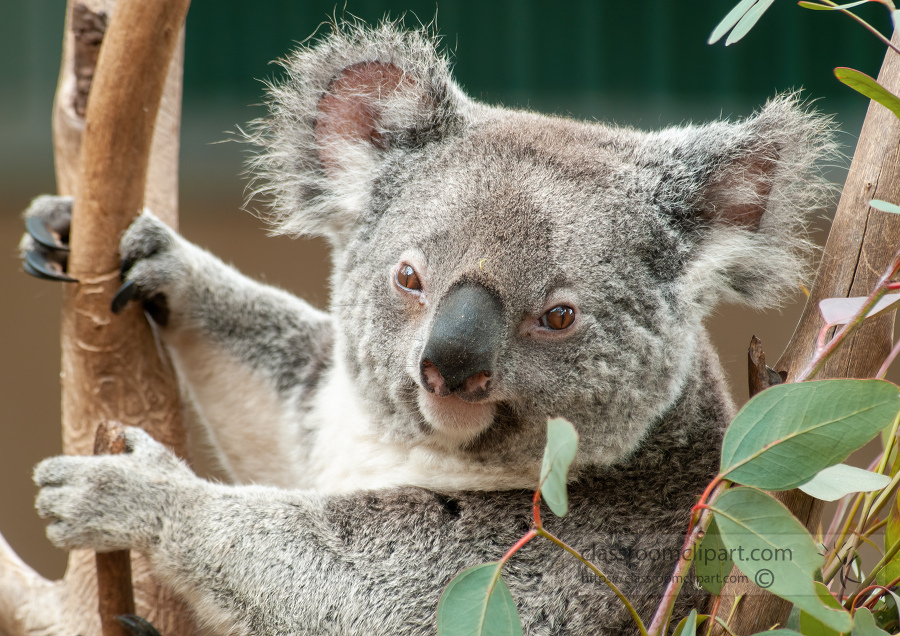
(741, 193)
(354, 101)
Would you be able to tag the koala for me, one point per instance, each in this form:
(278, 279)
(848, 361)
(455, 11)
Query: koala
(491, 268)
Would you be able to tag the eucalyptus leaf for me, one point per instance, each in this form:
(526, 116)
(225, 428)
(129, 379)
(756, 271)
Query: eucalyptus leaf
(862, 83)
(891, 569)
(562, 444)
(832, 483)
(885, 613)
(825, 7)
(477, 602)
(864, 624)
(688, 625)
(810, 626)
(884, 206)
(788, 433)
(748, 21)
(712, 562)
(728, 22)
(839, 311)
(774, 550)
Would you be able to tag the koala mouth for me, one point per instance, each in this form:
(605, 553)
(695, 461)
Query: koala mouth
(452, 416)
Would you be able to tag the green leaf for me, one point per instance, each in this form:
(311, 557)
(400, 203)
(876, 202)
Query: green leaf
(884, 206)
(862, 83)
(864, 624)
(840, 311)
(477, 602)
(885, 613)
(785, 435)
(836, 481)
(712, 561)
(891, 569)
(728, 22)
(774, 549)
(793, 620)
(779, 632)
(688, 625)
(562, 444)
(748, 21)
(809, 626)
(825, 7)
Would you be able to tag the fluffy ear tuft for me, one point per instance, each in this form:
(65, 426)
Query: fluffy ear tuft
(742, 192)
(350, 103)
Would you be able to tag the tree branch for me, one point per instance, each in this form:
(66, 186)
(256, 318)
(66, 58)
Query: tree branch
(860, 245)
(112, 367)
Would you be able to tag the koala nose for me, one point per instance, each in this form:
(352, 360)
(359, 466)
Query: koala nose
(461, 351)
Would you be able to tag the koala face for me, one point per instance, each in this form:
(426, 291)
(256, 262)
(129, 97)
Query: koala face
(494, 268)
(569, 293)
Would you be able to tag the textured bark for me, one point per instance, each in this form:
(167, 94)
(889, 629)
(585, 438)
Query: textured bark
(860, 246)
(116, 594)
(760, 376)
(112, 366)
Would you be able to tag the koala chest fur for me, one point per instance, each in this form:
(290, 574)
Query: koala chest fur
(492, 269)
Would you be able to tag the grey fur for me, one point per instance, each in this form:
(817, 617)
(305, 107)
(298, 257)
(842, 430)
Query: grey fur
(392, 491)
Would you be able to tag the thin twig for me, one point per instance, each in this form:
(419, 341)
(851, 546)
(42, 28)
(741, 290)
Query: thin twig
(871, 576)
(700, 520)
(888, 361)
(593, 568)
(865, 24)
(880, 290)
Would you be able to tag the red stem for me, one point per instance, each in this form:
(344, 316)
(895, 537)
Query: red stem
(698, 525)
(888, 361)
(883, 588)
(822, 355)
(536, 508)
(531, 534)
(862, 592)
(702, 503)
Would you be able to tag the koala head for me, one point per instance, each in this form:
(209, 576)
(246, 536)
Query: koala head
(494, 267)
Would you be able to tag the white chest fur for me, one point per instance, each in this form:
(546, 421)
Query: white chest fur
(349, 456)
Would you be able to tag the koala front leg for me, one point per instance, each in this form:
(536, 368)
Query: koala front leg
(247, 354)
(255, 559)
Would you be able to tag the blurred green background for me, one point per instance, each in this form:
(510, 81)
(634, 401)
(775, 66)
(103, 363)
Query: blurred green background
(642, 63)
(638, 63)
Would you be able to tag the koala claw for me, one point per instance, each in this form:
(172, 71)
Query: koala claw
(38, 264)
(149, 251)
(44, 248)
(137, 626)
(41, 232)
(125, 294)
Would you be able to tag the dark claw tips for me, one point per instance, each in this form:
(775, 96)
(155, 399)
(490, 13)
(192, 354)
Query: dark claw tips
(42, 234)
(137, 625)
(38, 266)
(125, 294)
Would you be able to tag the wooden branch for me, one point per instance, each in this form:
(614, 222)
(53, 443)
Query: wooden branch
(860, 245)
(114, 589)
(760, 376)
(112, 366)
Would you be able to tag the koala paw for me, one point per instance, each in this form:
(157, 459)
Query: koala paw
(153, 259)
(110, 502)
(44, 247)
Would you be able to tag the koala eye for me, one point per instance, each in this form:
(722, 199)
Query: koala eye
(558, 318)
(407, 278)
